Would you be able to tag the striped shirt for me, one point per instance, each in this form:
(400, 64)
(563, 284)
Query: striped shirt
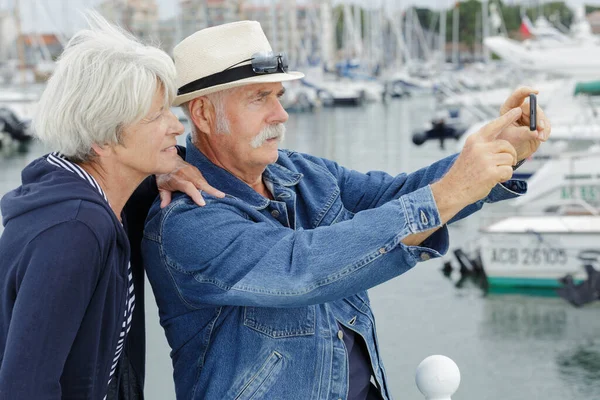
(61, 161)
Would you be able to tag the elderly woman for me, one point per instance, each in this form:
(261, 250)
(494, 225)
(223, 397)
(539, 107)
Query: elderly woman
(66, 291)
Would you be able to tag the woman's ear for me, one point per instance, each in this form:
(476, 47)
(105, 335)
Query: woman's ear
(102, 150)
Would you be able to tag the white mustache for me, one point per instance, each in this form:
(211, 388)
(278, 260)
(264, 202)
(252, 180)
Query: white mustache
(269, 132)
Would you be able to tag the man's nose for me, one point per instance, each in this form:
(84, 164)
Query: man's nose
(279, 115)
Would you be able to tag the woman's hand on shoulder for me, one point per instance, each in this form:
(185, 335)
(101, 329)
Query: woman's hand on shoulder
(187, 179)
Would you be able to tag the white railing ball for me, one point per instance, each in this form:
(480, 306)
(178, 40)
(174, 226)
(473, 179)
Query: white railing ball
(437, 377)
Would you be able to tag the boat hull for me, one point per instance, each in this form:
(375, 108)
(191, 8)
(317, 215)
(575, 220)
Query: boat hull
(537, 260)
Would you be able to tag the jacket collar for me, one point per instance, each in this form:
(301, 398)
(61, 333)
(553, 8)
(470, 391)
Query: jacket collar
(233, 186)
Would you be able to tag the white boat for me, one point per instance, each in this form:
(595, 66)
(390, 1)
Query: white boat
(331, 90)
(538, 251)
(401, 82)
(576, 61)
(15, 134)
(490, 100)
(574, 55)
(299, 97)
(570, 180)
(374, 91)
(21, 100)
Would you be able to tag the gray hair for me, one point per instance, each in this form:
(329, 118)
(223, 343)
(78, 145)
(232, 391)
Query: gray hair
(104, 81)
(218, 101)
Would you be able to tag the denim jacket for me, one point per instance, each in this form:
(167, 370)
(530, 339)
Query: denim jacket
(251, 290)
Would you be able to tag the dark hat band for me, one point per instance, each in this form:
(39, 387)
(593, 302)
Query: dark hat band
(229, 75)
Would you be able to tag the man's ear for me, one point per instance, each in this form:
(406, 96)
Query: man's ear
(203, 114)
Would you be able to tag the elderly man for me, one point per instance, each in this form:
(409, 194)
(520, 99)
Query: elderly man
(262, 293)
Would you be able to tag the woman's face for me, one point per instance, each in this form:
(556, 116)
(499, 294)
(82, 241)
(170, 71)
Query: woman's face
(148, 146)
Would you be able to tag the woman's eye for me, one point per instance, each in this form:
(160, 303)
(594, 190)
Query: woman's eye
(158, 116)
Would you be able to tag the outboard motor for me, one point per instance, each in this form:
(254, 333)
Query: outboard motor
(11, 125)
(466, 264)
(582, 293)
(471, 269)
(439, 130)
(447, 269)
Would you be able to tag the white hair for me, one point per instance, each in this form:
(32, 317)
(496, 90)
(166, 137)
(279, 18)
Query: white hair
(218, 101)
(104, 80)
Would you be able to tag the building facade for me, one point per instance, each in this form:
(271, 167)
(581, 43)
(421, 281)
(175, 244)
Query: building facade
(200, 14)
(139, 17)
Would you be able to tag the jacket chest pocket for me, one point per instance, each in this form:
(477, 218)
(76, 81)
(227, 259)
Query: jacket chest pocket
(281, 322)
(336, 213)
(342, 215)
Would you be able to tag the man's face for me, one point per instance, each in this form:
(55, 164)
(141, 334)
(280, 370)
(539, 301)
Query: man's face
(255, 119)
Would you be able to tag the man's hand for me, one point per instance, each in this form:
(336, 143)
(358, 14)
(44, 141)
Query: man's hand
(187, 179)
(524, 141)
(483, 162)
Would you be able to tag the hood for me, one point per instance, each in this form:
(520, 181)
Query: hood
(44, 184)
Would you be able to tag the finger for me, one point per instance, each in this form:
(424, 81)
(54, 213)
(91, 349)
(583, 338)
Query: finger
(205, 187)
(189, 173)
(505, 173)
(523, 133)
(165, 198)
(196, 196)
(191, 190)
(543, 125)
(519, 134)
(504, 146)
(525, 117)
(193, 175)
(494, 128)
(505, 159)
(516, 98)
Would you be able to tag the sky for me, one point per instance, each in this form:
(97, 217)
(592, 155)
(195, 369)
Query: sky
(50, 15)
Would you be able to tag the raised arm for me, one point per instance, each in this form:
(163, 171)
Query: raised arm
(362, 191)
(219, 255)
(461, 183)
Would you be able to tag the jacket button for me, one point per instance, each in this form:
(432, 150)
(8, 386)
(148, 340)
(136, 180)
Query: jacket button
(425, 256)
(275, 213)
(340, 335)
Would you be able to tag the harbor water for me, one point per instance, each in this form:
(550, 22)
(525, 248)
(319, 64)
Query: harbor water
(508, 347)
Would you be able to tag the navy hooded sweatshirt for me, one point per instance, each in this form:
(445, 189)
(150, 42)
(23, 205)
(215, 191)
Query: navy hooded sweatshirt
(63, 283)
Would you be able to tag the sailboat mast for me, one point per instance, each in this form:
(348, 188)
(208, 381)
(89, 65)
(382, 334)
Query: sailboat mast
(292, 33)
(20, 41)
(327, 25)
(485, 29)
(274, 38)
(442, 37)
(455, 35)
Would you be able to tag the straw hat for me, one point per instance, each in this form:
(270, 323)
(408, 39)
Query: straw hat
(212, 52)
